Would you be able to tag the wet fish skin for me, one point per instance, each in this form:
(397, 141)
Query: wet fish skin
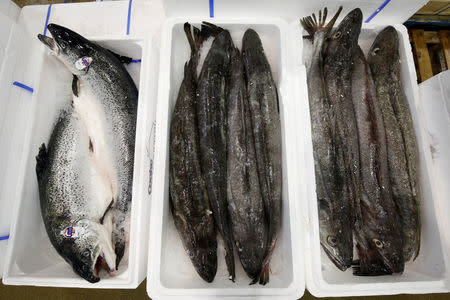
(333, 208)
(212, 118)
(67, 200)
(265, 116)
(113, 96)
(189, 201)
(403, 157)
(337, 69)
(245, 204)
(378, 241)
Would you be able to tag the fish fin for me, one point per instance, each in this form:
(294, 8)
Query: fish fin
(41, 162)
(123, 59)
(311, 24)
(209, 29)
(106, 211)
(75, 85)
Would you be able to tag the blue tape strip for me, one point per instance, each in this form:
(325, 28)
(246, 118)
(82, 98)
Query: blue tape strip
(4, 237)
(46, 19)
(21, 85)
(136, 60)
(211, 8)
(128, 19)
(377, 11)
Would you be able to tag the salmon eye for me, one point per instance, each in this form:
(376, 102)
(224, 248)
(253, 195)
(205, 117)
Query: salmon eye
(375, 51)
(378, 243)
(336, 34)
(332, 240)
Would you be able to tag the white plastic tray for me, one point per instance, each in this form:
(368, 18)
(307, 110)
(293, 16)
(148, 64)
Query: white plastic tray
(170, 272)
(428, 272)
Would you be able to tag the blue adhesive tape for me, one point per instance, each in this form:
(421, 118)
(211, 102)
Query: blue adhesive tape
(211, 8)
(46, 19)
(136, 60)
(377, 11)
(128, 19)
(4, 237)
(21, 85)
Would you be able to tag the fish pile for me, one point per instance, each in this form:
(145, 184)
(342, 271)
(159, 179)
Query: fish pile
(365, 150)
(85, 172)
(225, 154)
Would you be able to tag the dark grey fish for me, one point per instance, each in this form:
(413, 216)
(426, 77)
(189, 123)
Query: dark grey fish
(189, 201)
(335, 221)
(403, 158)
(106, 100)
(76, 217)
(377, 235)
(245, 204)
(265, 116)
(212, 122)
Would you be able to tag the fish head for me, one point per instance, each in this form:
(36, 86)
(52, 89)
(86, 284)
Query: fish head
(384, 50)
(69, 47)
(203, 254)
(380, 249)
(90, 250)
(345, 36)
(336, 235)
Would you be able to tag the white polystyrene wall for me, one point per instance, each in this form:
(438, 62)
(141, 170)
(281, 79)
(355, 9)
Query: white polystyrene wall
(26, 122)
(396, 11)
(435, 102)
(171, 273)
(428, 272)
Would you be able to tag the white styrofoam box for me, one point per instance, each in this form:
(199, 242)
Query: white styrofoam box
(429, 272)
(435, 102)
(28, 121)
(170, 272)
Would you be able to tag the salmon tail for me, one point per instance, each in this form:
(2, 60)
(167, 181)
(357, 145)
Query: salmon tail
(311, 24)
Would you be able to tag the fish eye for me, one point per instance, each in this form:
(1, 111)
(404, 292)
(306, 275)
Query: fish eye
(378, 243)
(336, 35)
(375, 51)
(332, 240)
(86, 253)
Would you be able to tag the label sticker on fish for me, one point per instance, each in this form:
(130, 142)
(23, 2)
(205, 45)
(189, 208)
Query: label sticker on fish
(70, 232)
(83, 62)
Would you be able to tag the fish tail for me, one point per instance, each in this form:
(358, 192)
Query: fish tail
(264, 276)
(311, 24)
(209, 29)
(229, 259)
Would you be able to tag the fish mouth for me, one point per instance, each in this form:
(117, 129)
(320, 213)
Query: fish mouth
(337, 261)
(49, 42)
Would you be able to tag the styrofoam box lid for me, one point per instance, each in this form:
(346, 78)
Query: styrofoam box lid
(18, 28)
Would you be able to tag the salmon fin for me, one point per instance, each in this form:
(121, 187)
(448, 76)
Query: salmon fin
(41, 162)
(106, 211)
(121, 58)
(75, 85)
